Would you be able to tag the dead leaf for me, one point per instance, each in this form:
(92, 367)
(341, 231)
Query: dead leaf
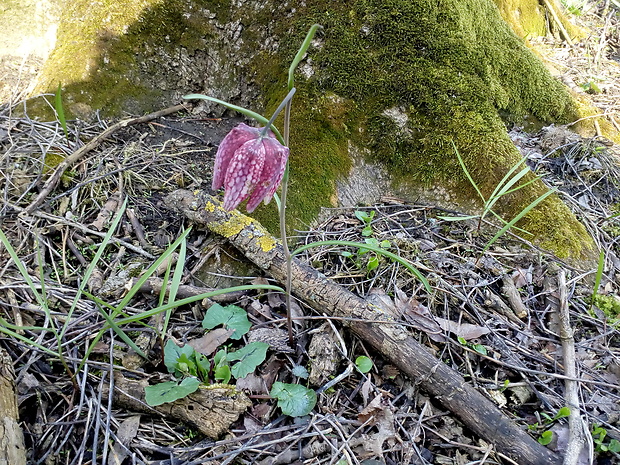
(365, 390)
(465, 330)
(374, 409)
(252, 383)
(127, 431)
(276, 338)
(297, 315)
(324, 353)
(418, 315)
(521, 277)
(381, 414)
(209, 343)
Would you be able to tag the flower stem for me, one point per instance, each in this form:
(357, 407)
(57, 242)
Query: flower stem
(285, 103)
(287, 252)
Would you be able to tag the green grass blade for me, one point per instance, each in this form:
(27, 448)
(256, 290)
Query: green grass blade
(176, 282)
(507, 176)
(93, 264)
(504, 189)
(510, 224)
(377, 250)
(471, 180)
(60, 111)
(195, 298)
(118, 309)
(149, 272)
(4, 329)
(599, 277)
(22, 270)
(458, 218)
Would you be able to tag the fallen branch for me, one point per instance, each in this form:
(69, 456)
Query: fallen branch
(12, 449)
(446, 385)
(575, 423)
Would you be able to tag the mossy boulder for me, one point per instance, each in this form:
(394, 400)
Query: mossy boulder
(388, 94)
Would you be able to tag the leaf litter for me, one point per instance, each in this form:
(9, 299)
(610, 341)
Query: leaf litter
(503, 302)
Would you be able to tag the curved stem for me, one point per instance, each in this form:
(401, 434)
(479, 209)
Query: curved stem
(285, 103)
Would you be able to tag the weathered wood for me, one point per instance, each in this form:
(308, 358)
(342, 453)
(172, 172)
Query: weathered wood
(395, 342)
(12, 449)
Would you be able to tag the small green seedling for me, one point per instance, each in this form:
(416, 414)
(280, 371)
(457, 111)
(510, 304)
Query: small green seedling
(546, 436)
(372, 260)
(366, 218)
(477, 347)
(598, 435)
(187, 364)
(300, 372)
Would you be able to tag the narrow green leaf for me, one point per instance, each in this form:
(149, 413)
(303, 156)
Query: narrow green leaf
(60, 111)
(511, 223)
(195, 298)
(300, 55)
(244, 111)
(599, 277)
(293, 399)
(376, 249)
(458, 218)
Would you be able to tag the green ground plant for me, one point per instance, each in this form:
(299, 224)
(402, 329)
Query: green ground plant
(508, 185)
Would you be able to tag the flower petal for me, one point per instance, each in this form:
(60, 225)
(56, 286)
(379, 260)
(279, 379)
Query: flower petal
(243, 173)
(225, 152)
(276, 156)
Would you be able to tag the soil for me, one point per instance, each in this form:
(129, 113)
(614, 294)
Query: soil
(492, 311)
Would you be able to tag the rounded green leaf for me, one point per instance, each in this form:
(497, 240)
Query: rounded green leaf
(249, 358)
(231, 316)
(363, 364)
(294, 400)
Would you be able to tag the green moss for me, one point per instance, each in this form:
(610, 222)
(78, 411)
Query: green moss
(451, 67)
(608, 304)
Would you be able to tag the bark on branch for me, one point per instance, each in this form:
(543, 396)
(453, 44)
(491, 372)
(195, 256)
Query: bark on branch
(395, 342)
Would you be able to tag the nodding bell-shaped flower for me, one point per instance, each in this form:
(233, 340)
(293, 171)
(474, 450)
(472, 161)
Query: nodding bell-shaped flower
(249, 165)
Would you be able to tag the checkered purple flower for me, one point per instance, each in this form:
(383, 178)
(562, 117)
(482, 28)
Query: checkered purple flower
(250, 166)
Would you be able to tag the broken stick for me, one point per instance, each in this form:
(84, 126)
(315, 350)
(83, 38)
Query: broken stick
(394, 341)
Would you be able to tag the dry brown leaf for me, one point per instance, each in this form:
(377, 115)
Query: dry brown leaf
(127, 431)
(252, 383)
(417, 315)
(381, 414)
(276, 338)
(209, 343)
(374, 409)
(465, 330)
